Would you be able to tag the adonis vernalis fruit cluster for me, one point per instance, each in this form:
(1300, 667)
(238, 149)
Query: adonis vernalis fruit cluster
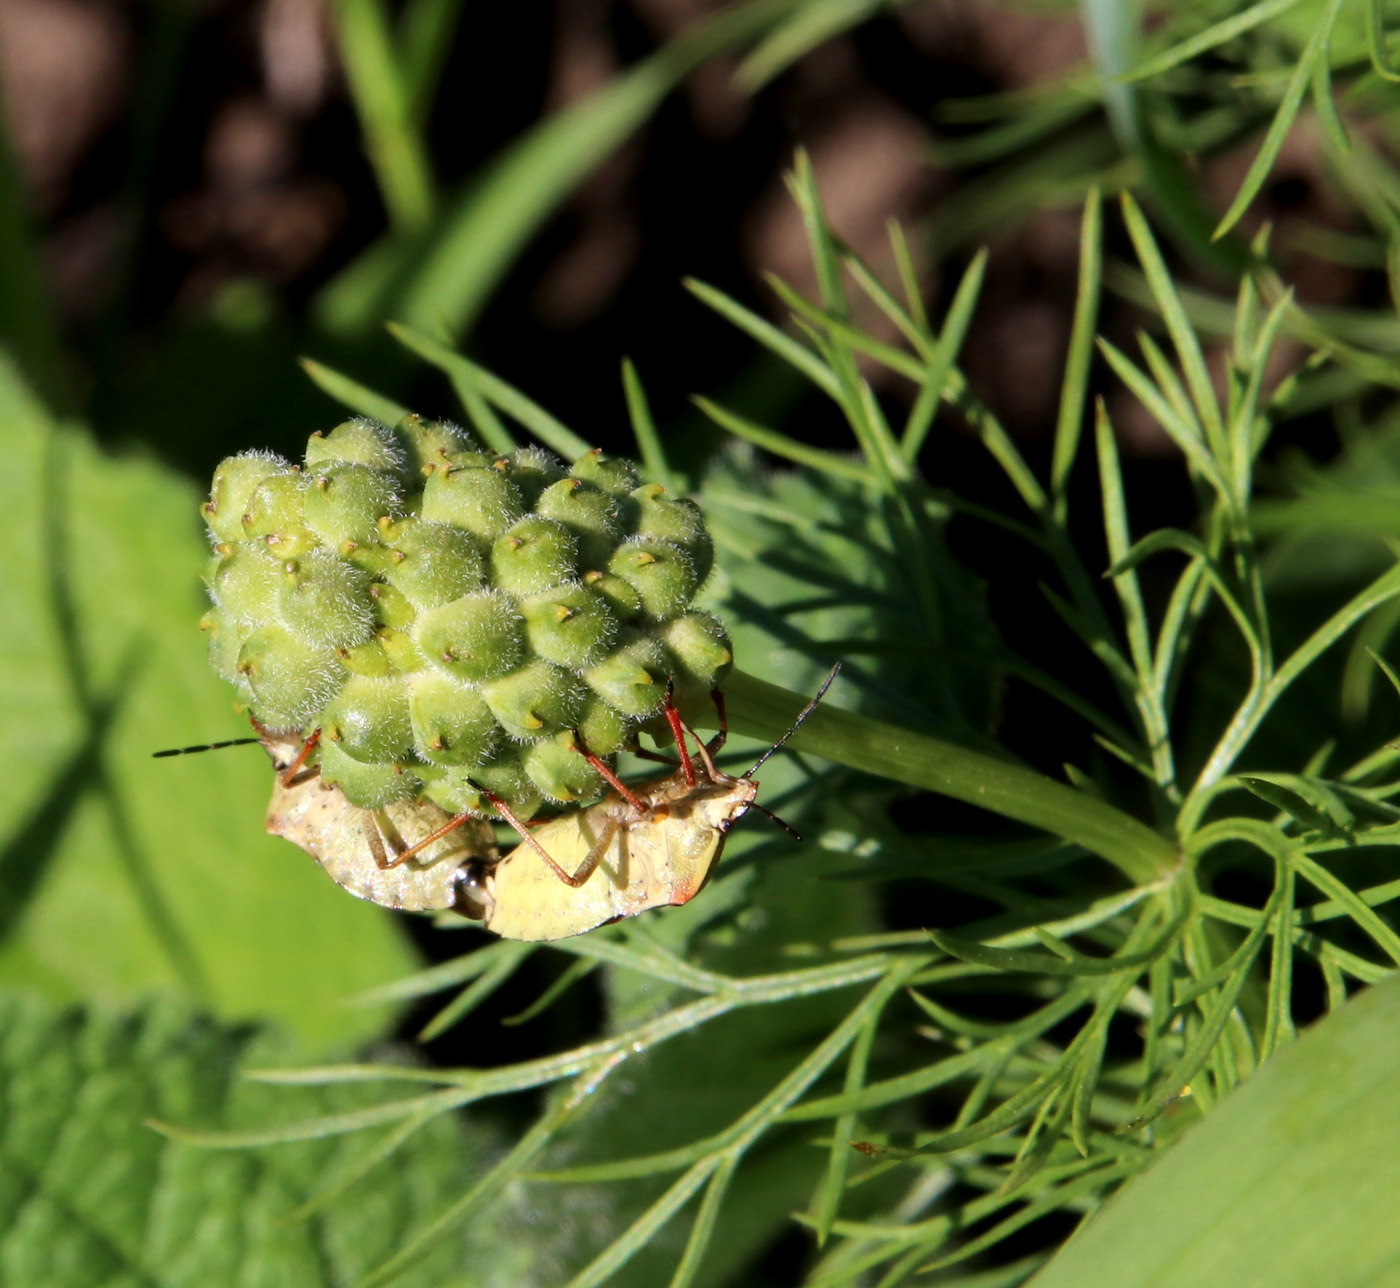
(452, 619)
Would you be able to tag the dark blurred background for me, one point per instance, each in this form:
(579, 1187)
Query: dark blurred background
(197, 177)
(197, 167)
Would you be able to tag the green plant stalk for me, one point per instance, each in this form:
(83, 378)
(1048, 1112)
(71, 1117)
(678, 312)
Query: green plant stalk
(762, 710)
(393, 146)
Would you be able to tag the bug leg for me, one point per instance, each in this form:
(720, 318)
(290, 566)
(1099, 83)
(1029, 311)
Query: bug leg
(386, 842)
(717, 741)
(642, 753)
(678, 732)
(595, 853)
(295, 767)
(575, 880)
(376, 842)
(606, 770)
(446, 829)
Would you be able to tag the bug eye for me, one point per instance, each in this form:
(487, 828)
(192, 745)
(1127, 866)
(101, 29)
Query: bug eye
(470, 896)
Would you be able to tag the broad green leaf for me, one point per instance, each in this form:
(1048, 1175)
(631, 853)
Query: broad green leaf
(122, 875)
(1292, 1180)
(91, 1197)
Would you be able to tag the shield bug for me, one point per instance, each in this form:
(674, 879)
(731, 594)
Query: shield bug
(651, 845)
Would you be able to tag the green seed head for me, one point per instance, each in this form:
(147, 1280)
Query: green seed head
(447, 615)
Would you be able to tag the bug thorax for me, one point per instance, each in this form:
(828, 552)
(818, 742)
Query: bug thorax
(714, 800)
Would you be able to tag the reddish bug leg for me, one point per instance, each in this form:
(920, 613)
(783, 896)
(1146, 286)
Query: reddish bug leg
(673, 718)
(706, 758)
(609, 776)
(590, 860)
(296, 766)
(446, 829)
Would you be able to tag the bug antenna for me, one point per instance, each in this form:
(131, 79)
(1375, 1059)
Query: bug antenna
(773, 818)
(204, 746)
(796, 724)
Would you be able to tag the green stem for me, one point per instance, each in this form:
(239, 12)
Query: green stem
(762, 710)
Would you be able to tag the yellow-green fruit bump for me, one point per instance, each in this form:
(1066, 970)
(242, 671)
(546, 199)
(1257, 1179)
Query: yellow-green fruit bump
(290, 677)
(432, 563)
(326, 600)
(475, 497)
(533, 555)
(631, 679)
(662, 575)
(475, 638)
(368, 785)
(429, 443)
(452, 725)
(357, 442)
(458, 789)
(346, 502)
(700, 652)
(556, 768)
(607, 472)
(235, 481)
(369, 719)
(663, 518)
(277, 504)
(538, 699)
(592, 515)
(569, 625)
(247, 583)
(532, 470)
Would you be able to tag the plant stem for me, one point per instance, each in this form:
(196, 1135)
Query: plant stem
(762, 710)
